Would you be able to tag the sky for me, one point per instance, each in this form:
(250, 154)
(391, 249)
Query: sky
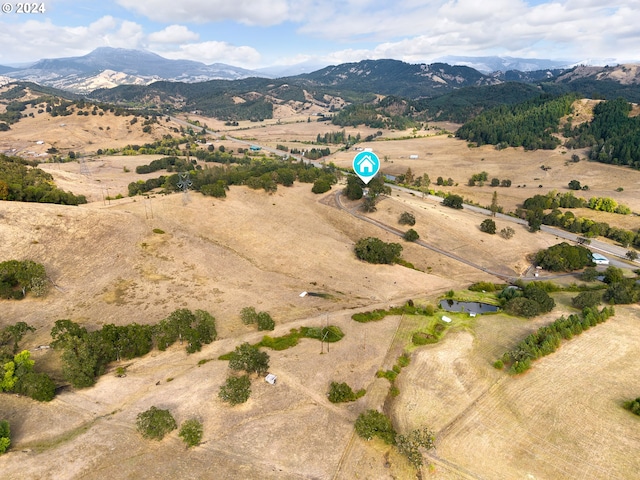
(260, 33)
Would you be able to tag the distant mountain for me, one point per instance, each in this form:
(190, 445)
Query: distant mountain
(4, 70)
(393, 77)
(109, 67)
(502, 64)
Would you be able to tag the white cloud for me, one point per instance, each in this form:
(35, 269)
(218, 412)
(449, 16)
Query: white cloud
(215, 52)
(173, 34)
(249, 12)
(37, 39)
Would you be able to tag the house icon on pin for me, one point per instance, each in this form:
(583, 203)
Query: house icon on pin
(365, 165)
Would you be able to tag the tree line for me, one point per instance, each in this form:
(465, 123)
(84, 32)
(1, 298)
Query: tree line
(21, 182)
(547, 339)
(86, 354)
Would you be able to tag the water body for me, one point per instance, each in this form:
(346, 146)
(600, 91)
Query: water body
(468, 307)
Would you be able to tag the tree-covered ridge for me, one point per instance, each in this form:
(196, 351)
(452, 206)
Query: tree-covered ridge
(613, 135)
(374, 116)
(20, 183)
(529, 124)
(464, 104)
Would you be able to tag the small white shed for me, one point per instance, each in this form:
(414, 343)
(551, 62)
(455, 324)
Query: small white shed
(271, 378)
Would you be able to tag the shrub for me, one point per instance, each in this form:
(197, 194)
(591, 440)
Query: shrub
(236, 390)
(342, 392)
(507, 233)
(191, 432)
(375, 424)
(155, 423)
(157, 230)
(38, 386)
(498, 364)
(407, 218)
(265, 322)
(589, 274)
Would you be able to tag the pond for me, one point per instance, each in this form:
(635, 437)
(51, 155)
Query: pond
(468, 307)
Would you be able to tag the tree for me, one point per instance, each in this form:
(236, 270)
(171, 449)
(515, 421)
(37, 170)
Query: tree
(191, 432)
(321, 185)
(409, 177)
(5, 436)
(575, 185)
(354, 188)
(236, 390)
(249, 358)
(613, 275)
(589, 274)
(372, 423)
(495, 208)
(495, 182)
(453, 201)
(38, 386)
(587, 299)
(632, 255)
(488, 226)
(411, 235)
(407, 218)
(374, 250)
(155, 423)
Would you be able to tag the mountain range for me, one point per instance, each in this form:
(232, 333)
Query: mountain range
(108, 67)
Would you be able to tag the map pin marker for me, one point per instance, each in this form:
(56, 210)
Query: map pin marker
(366, 165)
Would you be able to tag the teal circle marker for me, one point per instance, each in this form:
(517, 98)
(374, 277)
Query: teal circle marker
(366, 165)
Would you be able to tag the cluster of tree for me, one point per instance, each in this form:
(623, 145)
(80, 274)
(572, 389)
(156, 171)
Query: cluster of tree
(442, 182)
(167, 145)
(85, 355)
(614, 136)
(167, 163)
(17, 278)
(261, 173)
(316, 153)
(478, 179)
(155, 423)
(620, 290)
(563, 257)
(263, 320)
(554, 200)
(376, 189)
(13, 113)
(5, 436)
(337, 138)
(526, 302)
(547, 339)
(342, 392)
(372, 423)
(529, 124)
(245, 358)
(17, 375)
(20, 183)
(373, 116)
(374, 250)
(580, 225)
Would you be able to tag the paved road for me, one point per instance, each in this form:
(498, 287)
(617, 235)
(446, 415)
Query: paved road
(595, 245)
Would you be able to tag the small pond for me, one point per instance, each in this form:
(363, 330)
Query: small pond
(468, 307)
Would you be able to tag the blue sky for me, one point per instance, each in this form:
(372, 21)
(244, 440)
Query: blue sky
(260, 33)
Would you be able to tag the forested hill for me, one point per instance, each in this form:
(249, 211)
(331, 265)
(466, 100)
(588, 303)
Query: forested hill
(612, 134)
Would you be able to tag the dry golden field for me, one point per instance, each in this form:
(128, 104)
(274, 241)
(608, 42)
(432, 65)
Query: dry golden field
(561, 420)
